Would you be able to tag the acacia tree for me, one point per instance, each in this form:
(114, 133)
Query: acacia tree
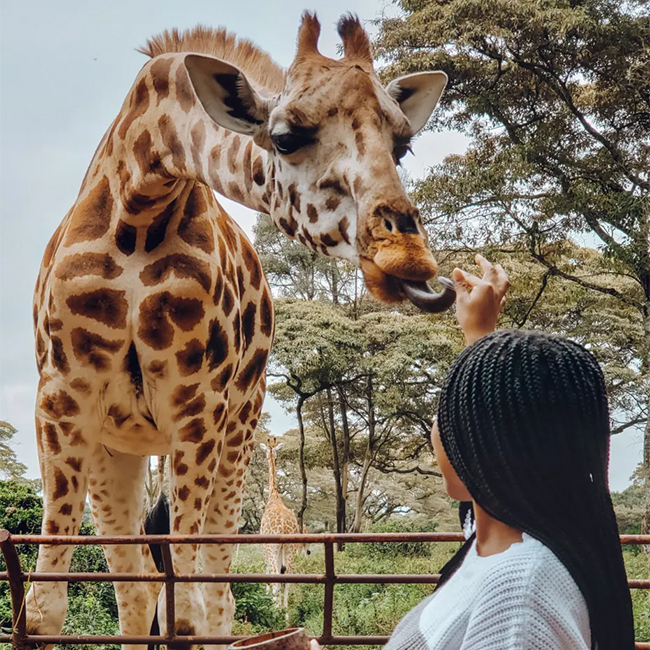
(555, 97)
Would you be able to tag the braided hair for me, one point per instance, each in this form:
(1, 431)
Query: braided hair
(523, 418)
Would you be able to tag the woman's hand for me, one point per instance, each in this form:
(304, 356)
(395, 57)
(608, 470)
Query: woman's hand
(314, 645)
(479, 301)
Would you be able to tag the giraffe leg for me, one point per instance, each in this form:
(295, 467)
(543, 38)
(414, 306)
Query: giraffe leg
(224, 512)
(116, 488)
(196, 449)
(63, 456)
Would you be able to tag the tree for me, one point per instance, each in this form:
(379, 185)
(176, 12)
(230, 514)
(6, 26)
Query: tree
(10, 467)
(555, 96)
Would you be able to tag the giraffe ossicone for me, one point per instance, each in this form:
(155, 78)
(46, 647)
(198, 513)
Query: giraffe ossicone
(153, 318)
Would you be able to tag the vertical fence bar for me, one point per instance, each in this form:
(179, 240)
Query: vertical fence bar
(330, 581)
(170, 597)
(17, 590)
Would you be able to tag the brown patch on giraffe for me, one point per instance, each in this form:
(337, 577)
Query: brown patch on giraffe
(235, 192)
(184, 91)
(66, 509)
(51, 438)
(312, 213)
(198, 503)
(245, 412)
(171, 141)
(225, 471)
(183, 493)
(359, 186)
(266, 314)
(334, 185)
(214, 165)
(41, 350)
(258, 171)
(160, 70)
(202, 482)
(216, 349)
(241, 283)
(125, 237)
(51, 527)
(203, 451)
(252, 264)
(182, 265)
(247, 163)
(158, 228)
(254, 369)
(294, 197)
(91, 218)
(156, 311)
(61, 487)
(138, 106)
(213, 464)
(92, 350)
(194, 431)
(75, 463)
(76, 266)
(54, 324)
(248, 322)
(219, 383)
(218, 287)
(253, 423)
(288, 226)
(219, 414)
(183, 393)
(236, 332)
(60, 404)
(147, 158)
(332, 111)
(107, 306)
(190, 358)
(233, 150)
(81, 386)
(197, 139)
(361, 144)
(332, 203)
(195, 228)
(158, 368)
(235, 441)
(231, 427)
(344, 224)
(53, 245)
(75, 483)
(328, 240)
(179, 467)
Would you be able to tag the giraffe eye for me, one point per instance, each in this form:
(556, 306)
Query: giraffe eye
(287, 143)
(400, 151)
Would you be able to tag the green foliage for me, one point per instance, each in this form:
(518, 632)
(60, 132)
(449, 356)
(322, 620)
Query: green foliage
(254, 605)
(387, 550)
(10, 467)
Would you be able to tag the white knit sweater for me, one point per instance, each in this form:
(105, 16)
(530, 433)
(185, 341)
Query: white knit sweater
(521, 599)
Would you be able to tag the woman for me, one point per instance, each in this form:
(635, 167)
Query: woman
(523, 434)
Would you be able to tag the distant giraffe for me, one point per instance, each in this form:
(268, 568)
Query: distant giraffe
(153, 319)
(278, 520)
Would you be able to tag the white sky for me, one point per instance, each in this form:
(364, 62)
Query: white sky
(65, 68)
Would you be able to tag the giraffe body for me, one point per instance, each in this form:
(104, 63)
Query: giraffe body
(153, 319)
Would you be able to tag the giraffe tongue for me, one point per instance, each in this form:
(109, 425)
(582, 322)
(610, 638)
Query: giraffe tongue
(426, 299)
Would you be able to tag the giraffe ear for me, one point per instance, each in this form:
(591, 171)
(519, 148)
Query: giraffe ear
(226, 95)
(417, 95)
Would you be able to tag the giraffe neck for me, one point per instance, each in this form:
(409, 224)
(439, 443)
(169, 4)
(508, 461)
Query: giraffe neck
(163, 136)
(273, 486)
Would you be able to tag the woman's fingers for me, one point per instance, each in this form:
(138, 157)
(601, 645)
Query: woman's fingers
(503, 283)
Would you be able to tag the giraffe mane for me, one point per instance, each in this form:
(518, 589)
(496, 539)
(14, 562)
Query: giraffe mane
(221, 43)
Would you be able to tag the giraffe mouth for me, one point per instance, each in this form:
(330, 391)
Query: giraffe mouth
(422, 295)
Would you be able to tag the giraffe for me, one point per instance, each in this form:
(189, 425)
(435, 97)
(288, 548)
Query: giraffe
(278, 520)
(153, 319)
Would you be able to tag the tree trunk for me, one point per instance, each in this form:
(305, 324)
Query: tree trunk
(645, 524)
(340, 503)
(301, 457)
(345, 456)
(368, 458)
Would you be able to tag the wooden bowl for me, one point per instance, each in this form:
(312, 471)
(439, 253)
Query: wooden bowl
(291, 639)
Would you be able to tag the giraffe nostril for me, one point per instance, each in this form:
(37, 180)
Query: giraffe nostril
(388, 225)
(406, 224)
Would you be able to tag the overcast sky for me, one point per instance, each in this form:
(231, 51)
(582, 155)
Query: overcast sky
(65, 68)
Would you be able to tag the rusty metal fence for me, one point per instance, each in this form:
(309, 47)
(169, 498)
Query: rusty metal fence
(17, 578)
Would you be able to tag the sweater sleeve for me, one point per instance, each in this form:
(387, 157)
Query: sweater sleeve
(524, 607)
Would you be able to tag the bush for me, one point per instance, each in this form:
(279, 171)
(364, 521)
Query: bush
(401, 549)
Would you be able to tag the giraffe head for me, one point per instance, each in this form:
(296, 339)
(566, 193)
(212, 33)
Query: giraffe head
(334, 137)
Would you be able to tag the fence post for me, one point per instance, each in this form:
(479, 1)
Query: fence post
(170, 599)
(330, 581)
(17, 589)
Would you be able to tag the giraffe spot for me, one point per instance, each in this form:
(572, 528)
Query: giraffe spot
(225, 471)
(91, 218)
(231, 427)
(80, 385)
(312, 213)
(125, 237)
(356, 124)
(359, 186)
(202, 482)
(216, 349)
(204, 450)
(52, 247)
(75, 463)
(51, 527)
(245, 412)
(248, 322)
(288, 226)
(59, 404)
(235, 193)
(266, 314)
(133, 369)
(228, 301)
(51, 438)
(148, 160)
(183, 493)
(158, 368)
(75, 266)
(294, 197)
(212, 465)
(235, 441)
(197, 139)
(40, 350)
(233, 150)
(198, 503)
(139, 103)
(344, 224)
(183, 393)
(248, 171)
(190, 358)
(253, 423)
(327, 240)
(158, 227)
(308, 237)
(65, 509)
(135, 203)
(171, 141)
(184, 91)
(92, 350)
(177, 522)
(107, 306)
(252, 264)
(214, 166)
(160, 69)
(332, 203)
(155, 313)
(181, 265)
(218, 287)
(334, 185)
(61, 487)
(332, 111)
(254, 369)
(54, 324)
(75, 483)
(219, 413)
(361, 145)
(195, 227)
(258, 171)
(194, 430)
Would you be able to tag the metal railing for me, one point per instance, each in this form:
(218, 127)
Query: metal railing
(17, 579)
